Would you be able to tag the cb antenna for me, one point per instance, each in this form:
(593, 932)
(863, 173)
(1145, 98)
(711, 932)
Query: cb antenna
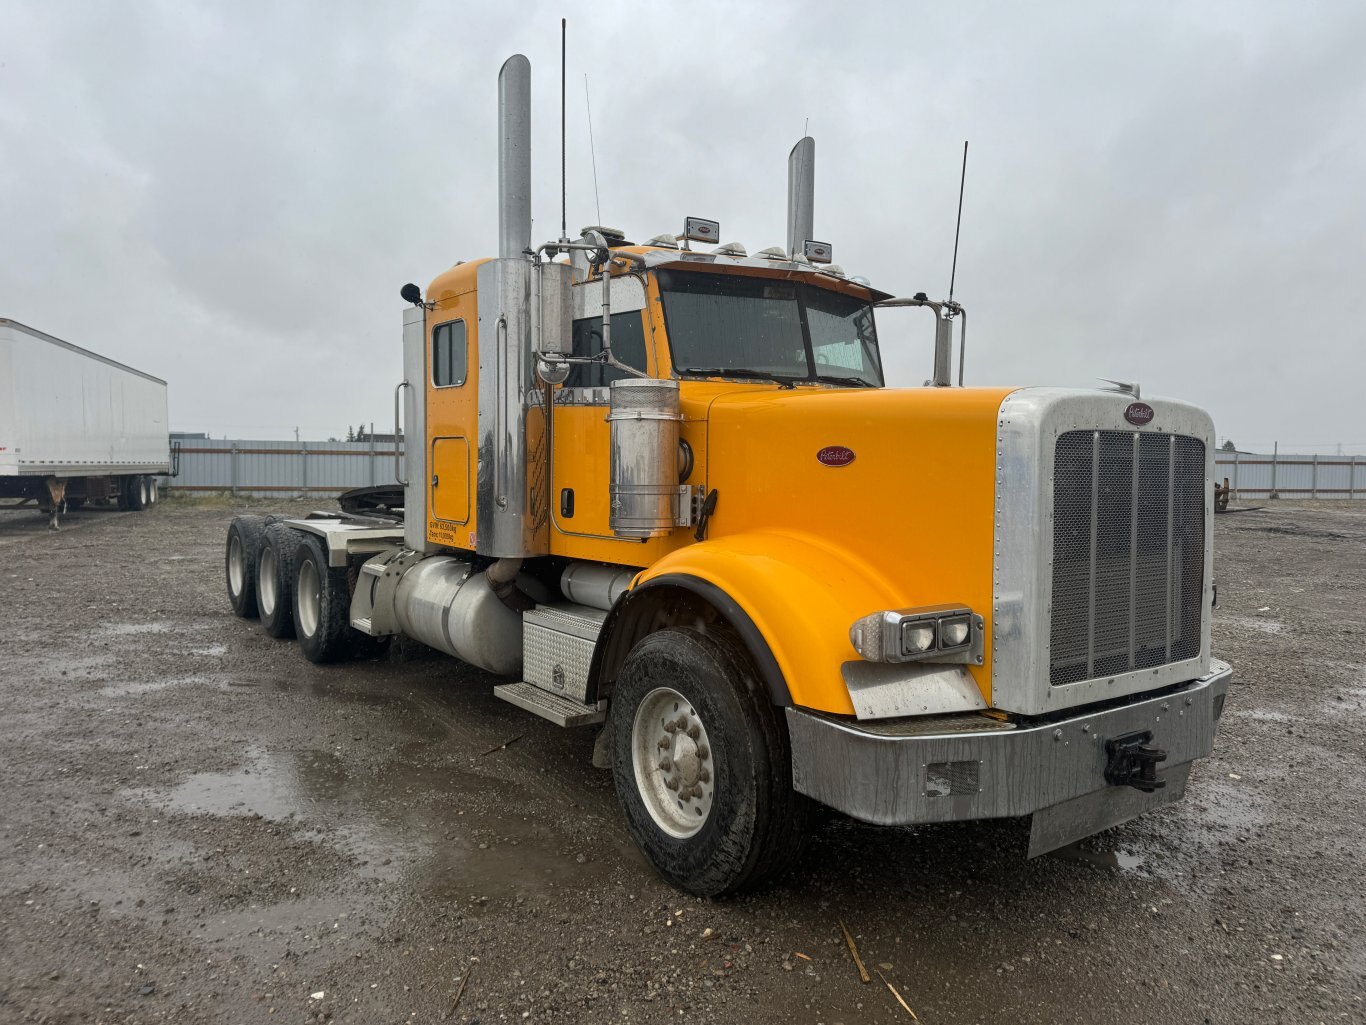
(564, 204)
(962, 180)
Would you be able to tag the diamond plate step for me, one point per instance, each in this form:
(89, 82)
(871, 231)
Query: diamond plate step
(560, 710)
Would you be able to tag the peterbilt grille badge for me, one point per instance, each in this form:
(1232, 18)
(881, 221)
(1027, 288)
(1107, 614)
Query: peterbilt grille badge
(835, 455)
(1140, 414)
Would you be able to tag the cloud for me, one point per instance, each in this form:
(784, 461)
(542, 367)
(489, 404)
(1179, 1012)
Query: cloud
(230, 195)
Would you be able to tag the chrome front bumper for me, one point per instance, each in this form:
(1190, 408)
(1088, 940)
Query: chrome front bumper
(897, 772)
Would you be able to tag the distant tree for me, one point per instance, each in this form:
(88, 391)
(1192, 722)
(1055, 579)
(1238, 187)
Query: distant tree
(1228, 446)
(350, 433)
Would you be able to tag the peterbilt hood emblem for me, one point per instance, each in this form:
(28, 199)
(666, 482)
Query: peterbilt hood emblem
(1140, 414)
(835, 455)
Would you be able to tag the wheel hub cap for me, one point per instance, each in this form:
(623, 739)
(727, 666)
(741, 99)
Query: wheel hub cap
(673, 762)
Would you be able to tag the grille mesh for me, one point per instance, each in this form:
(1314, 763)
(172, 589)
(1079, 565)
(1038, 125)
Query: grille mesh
(1128, 552)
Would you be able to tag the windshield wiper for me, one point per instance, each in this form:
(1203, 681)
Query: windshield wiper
(751, 375)
(858, 382)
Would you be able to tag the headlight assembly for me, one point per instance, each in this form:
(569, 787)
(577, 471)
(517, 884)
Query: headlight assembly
(934, 633)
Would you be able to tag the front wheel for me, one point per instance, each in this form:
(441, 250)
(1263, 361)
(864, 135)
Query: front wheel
(702, 766)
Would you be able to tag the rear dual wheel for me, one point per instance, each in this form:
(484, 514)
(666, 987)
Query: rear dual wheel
(137, 493)
(239, 562)
(702, 764)
(275, 579)
(321, 605)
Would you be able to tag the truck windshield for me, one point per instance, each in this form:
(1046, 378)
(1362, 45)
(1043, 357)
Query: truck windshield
(726, 325)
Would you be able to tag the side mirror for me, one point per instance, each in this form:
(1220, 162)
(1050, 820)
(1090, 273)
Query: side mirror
(410, 293)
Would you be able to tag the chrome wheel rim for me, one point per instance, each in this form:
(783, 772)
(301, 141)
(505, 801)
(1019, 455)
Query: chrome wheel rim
(236, 572)
(673, 762)
(265, 580)
(310, 598)
(152, 493)
(142, 490)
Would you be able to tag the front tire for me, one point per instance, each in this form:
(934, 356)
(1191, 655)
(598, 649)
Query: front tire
(322, 605)
(702, 766)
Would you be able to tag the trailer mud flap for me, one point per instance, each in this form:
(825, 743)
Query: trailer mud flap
(1082, 816)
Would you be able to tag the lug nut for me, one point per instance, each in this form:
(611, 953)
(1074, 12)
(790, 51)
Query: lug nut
(664, 743)
(681, 723)
(694, 731)
(671, 783)
(666, 763)
(703, 751)
(703, 776)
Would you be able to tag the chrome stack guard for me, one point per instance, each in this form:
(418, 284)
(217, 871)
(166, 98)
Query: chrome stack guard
(898, 772)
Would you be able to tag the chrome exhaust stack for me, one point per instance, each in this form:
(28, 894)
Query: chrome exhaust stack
(801, 195)
(511, 485)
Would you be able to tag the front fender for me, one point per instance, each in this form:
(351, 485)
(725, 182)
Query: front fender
(802, 595)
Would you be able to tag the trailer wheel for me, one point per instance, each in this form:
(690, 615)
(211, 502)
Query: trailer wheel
(275, 579)
(151, 491)
(135, 493)
(322, 605)
(240, 558)
(701, 763)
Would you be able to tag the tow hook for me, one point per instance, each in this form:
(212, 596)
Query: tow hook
(1129, 764)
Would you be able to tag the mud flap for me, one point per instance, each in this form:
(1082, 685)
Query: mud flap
(1073, 820)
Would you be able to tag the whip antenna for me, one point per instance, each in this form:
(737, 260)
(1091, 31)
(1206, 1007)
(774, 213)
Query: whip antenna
(597, 203)
(564, 203)
(953, 274)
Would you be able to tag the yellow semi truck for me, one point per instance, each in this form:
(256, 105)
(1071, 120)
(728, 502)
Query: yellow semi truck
(665, 491)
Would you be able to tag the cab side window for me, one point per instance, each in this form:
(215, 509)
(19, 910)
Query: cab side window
(628, 346)
(449, 354)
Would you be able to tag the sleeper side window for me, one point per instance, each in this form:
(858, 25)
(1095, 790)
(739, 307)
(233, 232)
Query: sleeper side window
(449, 354)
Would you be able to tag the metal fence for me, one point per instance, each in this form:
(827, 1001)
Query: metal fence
(1251, 475)
(288, 468)
(300, 468)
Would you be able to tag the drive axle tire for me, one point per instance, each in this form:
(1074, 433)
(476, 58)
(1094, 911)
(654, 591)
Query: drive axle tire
(275, 579)
(702, 764)
(322, 605)
(240, 558)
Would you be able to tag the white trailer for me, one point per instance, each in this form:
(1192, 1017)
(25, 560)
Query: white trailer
(77, 427)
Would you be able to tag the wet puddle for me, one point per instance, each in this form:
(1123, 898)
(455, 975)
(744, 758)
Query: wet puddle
(1118, 861)
(123, 690)
(264, 787)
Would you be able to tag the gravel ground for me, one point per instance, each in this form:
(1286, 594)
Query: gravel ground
(196, 825)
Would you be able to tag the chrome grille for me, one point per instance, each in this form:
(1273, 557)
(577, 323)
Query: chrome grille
(1128, 552)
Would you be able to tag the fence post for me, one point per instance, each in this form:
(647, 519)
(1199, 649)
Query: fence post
(372, 459)
(1352, 479)
(1275, 448)
(232, 471)
(303, 473)
(1314, 478)
(1235, 472)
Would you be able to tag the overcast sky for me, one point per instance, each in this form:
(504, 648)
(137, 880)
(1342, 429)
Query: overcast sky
(229, 195)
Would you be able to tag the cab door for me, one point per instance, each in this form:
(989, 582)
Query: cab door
(579, 456)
